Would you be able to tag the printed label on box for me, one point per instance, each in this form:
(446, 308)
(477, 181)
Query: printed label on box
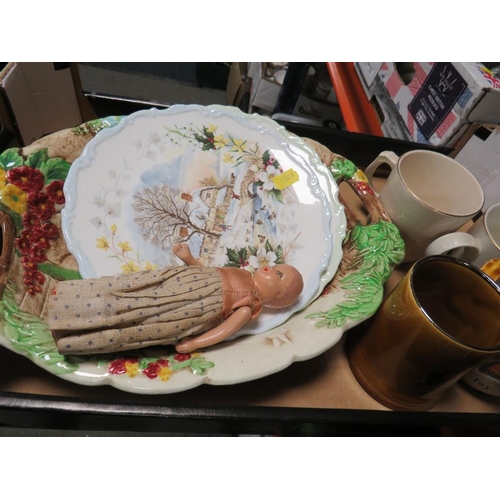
(436, 98)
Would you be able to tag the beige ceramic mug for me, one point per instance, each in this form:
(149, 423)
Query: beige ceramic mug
(426, 195)
(478, 245)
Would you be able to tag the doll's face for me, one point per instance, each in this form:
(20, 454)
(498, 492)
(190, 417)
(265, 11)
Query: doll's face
(275, 281)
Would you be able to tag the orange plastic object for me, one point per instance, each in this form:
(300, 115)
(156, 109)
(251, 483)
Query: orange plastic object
(358, 113)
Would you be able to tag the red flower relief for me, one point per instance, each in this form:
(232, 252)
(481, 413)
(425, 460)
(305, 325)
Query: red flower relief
(49, 230)
(41, 234)
(37, 253)
(23, 244)
(182, 357)
(364, 188)
(28, 263)
(41, 206)
(152, 370)
(33, 278)
(29, 220)
(55, 192)
(27, 178)
(34, 289)
(119, 366)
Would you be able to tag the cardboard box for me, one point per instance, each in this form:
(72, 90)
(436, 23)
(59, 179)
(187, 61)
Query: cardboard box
(238, 86)
(37, 99)
(264, 91)
(436, 102)
(479, 151)
(391, 122)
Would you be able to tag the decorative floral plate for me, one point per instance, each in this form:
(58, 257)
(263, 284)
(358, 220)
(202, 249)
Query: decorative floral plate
(223, 182)
(35, 256)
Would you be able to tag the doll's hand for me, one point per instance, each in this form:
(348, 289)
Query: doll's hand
(185, 347)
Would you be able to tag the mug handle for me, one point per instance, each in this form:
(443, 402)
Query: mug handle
(452, 241)
(385, 157)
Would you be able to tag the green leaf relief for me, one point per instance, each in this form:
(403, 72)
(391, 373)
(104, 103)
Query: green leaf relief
(200, 365)
(95, 126)
(10, 158)
(29, 335)
(380, 249)
(342, 168)
(38, 158)
(55, 169)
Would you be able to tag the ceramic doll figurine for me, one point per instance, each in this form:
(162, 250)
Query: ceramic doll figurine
(190, 306)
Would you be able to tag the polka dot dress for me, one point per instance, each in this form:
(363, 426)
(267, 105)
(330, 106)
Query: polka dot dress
(131, 311)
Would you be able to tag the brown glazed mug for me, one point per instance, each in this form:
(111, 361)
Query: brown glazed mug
(441, 321)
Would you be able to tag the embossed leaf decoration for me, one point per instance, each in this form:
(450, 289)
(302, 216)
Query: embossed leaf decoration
(53, 169)
(380, 248)
(30, 335)
(10, 159)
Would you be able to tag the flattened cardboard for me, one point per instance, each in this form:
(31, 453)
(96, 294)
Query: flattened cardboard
(38, 99)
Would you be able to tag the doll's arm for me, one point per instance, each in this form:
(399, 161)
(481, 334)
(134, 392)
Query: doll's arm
(184, 253)
(232, 324)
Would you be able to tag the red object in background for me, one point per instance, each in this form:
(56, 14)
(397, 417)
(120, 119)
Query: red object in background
(358, 113)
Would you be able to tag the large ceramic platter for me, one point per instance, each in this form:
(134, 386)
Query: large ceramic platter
(225, 183)
(362, 258)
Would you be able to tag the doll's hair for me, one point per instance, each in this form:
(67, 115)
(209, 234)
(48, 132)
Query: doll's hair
(291, 294)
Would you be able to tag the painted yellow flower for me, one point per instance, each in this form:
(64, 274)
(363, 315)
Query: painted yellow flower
(130, 267)
(212, 128)
(14, 198)
(113, 228)
(149, 267)
(238, 145)
(125, 247)
(132, 369)
(102, 243)
(3, 179)
(228, 158)
(165, 373)
(220, 141)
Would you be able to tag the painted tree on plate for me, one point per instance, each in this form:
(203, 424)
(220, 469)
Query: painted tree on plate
(166, 215)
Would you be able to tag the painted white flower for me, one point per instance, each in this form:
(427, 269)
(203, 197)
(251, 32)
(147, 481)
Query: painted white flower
(266, 177)
(114, 210)
(154, 138)
(121, 192)
(96, 221)
(262, 258)
(272, 170)
(151, 155)
(99, 201)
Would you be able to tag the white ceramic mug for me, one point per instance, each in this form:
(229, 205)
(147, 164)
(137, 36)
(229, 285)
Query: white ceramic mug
(478, 245)
(427, 195)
